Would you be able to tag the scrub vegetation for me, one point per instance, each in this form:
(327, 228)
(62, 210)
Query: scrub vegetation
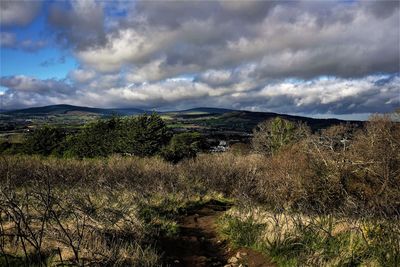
(109, 194)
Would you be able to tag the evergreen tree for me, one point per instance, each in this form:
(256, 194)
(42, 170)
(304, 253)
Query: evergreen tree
(45, 141)
(96, 139)
(145, 135)
(183, 145)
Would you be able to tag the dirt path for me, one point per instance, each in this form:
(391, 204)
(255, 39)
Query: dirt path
(198, 245)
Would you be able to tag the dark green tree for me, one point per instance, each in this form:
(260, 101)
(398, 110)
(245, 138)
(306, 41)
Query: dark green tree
(45, 141)
(97, 139)
(145, 135)
(183, 145)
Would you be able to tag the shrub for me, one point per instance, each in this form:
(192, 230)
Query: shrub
(96, 139)
(144, 135)
(183, 145)
(45, 141)
(270, 136)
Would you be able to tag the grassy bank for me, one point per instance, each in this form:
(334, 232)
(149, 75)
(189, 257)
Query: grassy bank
(293, 239)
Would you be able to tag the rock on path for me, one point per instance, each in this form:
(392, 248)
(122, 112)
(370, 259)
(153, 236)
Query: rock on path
(198, 245)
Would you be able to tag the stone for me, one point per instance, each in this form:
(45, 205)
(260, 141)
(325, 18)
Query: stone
(241, 254)
(233, 260)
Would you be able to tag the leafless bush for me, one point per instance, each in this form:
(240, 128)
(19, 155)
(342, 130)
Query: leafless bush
(89, 210)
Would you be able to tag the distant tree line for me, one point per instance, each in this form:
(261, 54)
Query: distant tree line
(144, 135)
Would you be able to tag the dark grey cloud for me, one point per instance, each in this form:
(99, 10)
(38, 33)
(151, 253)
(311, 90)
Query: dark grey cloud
(296, 39)
(382, 9)
(173, 14)
(18, 12)
(78, 24)
(21, 83)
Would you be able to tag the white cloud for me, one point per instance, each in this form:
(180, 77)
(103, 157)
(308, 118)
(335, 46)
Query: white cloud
(7, 39)
(81, 75)
(22, 83)
(125, 47)
(374, 93)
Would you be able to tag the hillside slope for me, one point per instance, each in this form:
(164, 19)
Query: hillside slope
(65, 109)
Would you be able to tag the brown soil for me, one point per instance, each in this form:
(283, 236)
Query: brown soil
(198, 245)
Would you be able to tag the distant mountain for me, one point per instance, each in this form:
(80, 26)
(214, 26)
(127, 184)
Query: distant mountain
(70, 109)
(128, 111)
(241, 120)
(205, 118)
(204, 110)
(250, 119)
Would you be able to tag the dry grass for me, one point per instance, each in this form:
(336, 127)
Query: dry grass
(307, 202)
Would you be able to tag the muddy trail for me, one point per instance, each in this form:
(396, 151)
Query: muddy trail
(198, 245)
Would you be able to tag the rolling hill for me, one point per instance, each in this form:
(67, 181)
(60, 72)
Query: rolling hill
(65, 109)
(205, 119)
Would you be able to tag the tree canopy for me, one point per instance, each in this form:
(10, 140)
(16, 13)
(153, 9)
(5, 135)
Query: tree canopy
(144, 135)
(269, 136)
(45, 141)
(183, 145)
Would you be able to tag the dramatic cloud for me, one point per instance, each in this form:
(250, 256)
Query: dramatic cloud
(375, 93)
(309, 57)
(292, 39)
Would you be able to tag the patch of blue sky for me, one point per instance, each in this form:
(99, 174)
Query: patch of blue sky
(46, 62)
(294, 80)
(354, 116)
(19, 62)
(36, 30)
(180, 78)
(320, 78)
(2, 90)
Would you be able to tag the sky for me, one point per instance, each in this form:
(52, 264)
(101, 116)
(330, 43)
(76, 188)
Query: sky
(315, 58)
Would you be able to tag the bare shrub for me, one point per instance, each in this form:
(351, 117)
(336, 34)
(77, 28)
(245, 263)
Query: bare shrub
(271, 135)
